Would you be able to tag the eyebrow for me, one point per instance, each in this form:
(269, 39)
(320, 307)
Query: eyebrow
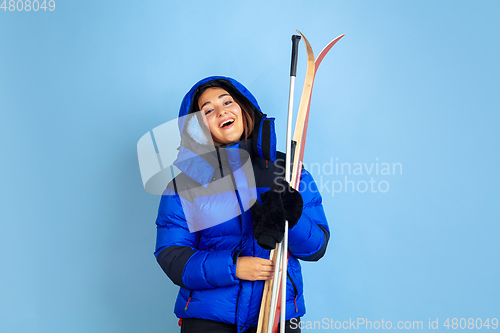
(211, 102)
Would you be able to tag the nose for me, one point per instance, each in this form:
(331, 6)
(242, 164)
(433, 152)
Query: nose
(221, 111)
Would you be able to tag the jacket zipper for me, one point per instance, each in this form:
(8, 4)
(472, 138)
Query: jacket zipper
(240, 247)
(236, 312)
(241, 224)
(189, 299)
(220, 162)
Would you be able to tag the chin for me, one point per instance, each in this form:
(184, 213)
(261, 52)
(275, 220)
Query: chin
(227, 140)
(231, 138)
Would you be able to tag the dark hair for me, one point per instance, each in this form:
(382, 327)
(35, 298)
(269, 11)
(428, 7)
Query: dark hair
(247, 112)
(242, 101)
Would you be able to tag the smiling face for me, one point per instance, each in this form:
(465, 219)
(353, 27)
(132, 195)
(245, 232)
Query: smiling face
(222, 115)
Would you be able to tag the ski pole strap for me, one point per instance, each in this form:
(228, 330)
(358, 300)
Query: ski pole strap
(295, 52)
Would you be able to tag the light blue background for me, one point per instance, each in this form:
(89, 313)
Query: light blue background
(412, 82)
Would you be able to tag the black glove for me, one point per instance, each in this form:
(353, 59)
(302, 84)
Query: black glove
(280, 203)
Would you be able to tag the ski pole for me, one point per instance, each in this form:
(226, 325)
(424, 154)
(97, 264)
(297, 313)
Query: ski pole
(283, 246)
(293, 73)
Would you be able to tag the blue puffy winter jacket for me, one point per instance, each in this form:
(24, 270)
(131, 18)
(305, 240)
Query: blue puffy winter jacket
(203, 262)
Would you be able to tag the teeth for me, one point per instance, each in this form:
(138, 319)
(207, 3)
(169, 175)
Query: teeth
(229, 121)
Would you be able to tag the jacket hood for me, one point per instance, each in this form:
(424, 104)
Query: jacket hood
(195, 157)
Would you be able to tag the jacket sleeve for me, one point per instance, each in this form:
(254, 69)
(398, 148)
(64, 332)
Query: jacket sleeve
(308, 239)
(177, 252)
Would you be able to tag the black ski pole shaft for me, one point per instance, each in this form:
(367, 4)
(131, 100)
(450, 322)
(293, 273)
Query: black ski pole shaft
(295, 54)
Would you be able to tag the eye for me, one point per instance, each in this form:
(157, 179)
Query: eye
(208, 111)
(228, 102)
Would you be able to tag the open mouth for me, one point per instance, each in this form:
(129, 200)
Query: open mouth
(226, 123)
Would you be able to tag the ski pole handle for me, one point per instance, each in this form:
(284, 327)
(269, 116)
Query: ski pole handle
(295, 53)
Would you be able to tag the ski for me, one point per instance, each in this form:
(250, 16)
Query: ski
(302, 113)
(272, 304)
(317, 62)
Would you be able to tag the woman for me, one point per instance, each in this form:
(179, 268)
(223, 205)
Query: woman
(205, 230)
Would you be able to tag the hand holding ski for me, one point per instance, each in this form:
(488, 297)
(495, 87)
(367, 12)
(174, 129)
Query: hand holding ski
(280, 204)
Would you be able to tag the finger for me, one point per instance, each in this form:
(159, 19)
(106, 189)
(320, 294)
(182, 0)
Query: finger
(270, 277)
(268, 273)
(265, 277)
(266, 268)
(266, 262)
